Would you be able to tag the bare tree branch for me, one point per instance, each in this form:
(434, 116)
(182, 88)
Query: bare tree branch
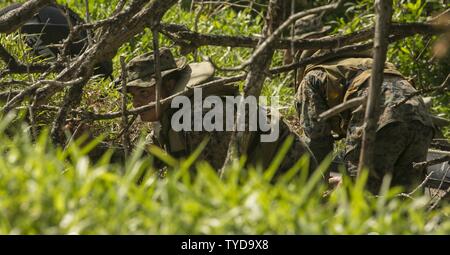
(183, 34)
(277, 33)
(443, 87)
(28, 91)
(131, 21)
(157, 69)
(383, 11)
(126, 137)
(354, 102)
(258, 70)
(422, 165)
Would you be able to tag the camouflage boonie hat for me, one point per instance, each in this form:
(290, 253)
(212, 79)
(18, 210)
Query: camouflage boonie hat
(141, 69)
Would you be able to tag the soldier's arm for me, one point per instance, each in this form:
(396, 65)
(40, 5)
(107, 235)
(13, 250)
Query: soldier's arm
(310, 103)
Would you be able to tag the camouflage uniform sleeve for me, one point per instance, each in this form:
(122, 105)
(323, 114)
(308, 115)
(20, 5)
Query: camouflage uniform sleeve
(152, 140)
(310, 103)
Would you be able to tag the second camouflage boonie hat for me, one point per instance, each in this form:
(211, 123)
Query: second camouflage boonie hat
(141, 69)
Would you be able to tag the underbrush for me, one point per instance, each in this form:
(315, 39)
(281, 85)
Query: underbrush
(44, 190)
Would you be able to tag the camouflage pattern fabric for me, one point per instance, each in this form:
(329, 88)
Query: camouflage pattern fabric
(397, 146)
(413, 117)
(216, 150)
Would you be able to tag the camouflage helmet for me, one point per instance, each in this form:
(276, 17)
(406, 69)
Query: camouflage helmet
(141, 71)
(49, 27)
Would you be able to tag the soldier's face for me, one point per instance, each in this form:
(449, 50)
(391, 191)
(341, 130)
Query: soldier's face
(144, 96)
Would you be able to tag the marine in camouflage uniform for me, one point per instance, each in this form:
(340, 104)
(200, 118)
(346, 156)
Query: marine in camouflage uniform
(404, 132)
(177, 76)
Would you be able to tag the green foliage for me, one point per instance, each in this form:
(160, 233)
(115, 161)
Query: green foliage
(413, 56)
(48, 191)
(44, 190)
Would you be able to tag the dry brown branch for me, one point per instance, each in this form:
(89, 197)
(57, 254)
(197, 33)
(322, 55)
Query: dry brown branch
(354, 102)
(258, 70)
(183, 34)
(32, 122)
(126, 138)
(13, 82)
(125, 130)
(139, 15)
(419, 187)
(383, 11)
(157, 69)
(31, 89)
(421, 165)
(443, 87)
(269, 41)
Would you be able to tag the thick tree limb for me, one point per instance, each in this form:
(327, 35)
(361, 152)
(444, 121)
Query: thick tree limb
(258, 69)
(131, 21)
(383, 11)
(182, 33)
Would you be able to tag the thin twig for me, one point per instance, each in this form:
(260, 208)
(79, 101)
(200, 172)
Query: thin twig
(444, 176)
(32, 122)
(88, 20)
(432, 162)
(74, 135)
(420, 186)
(119, 7)
(443, 87)
(197, 18)
(126, 137)
(223, 69)
(276, 34)
(124, 130)
(19, 97)
(157, 69)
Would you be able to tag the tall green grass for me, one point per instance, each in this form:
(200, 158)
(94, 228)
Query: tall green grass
(44, 190)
